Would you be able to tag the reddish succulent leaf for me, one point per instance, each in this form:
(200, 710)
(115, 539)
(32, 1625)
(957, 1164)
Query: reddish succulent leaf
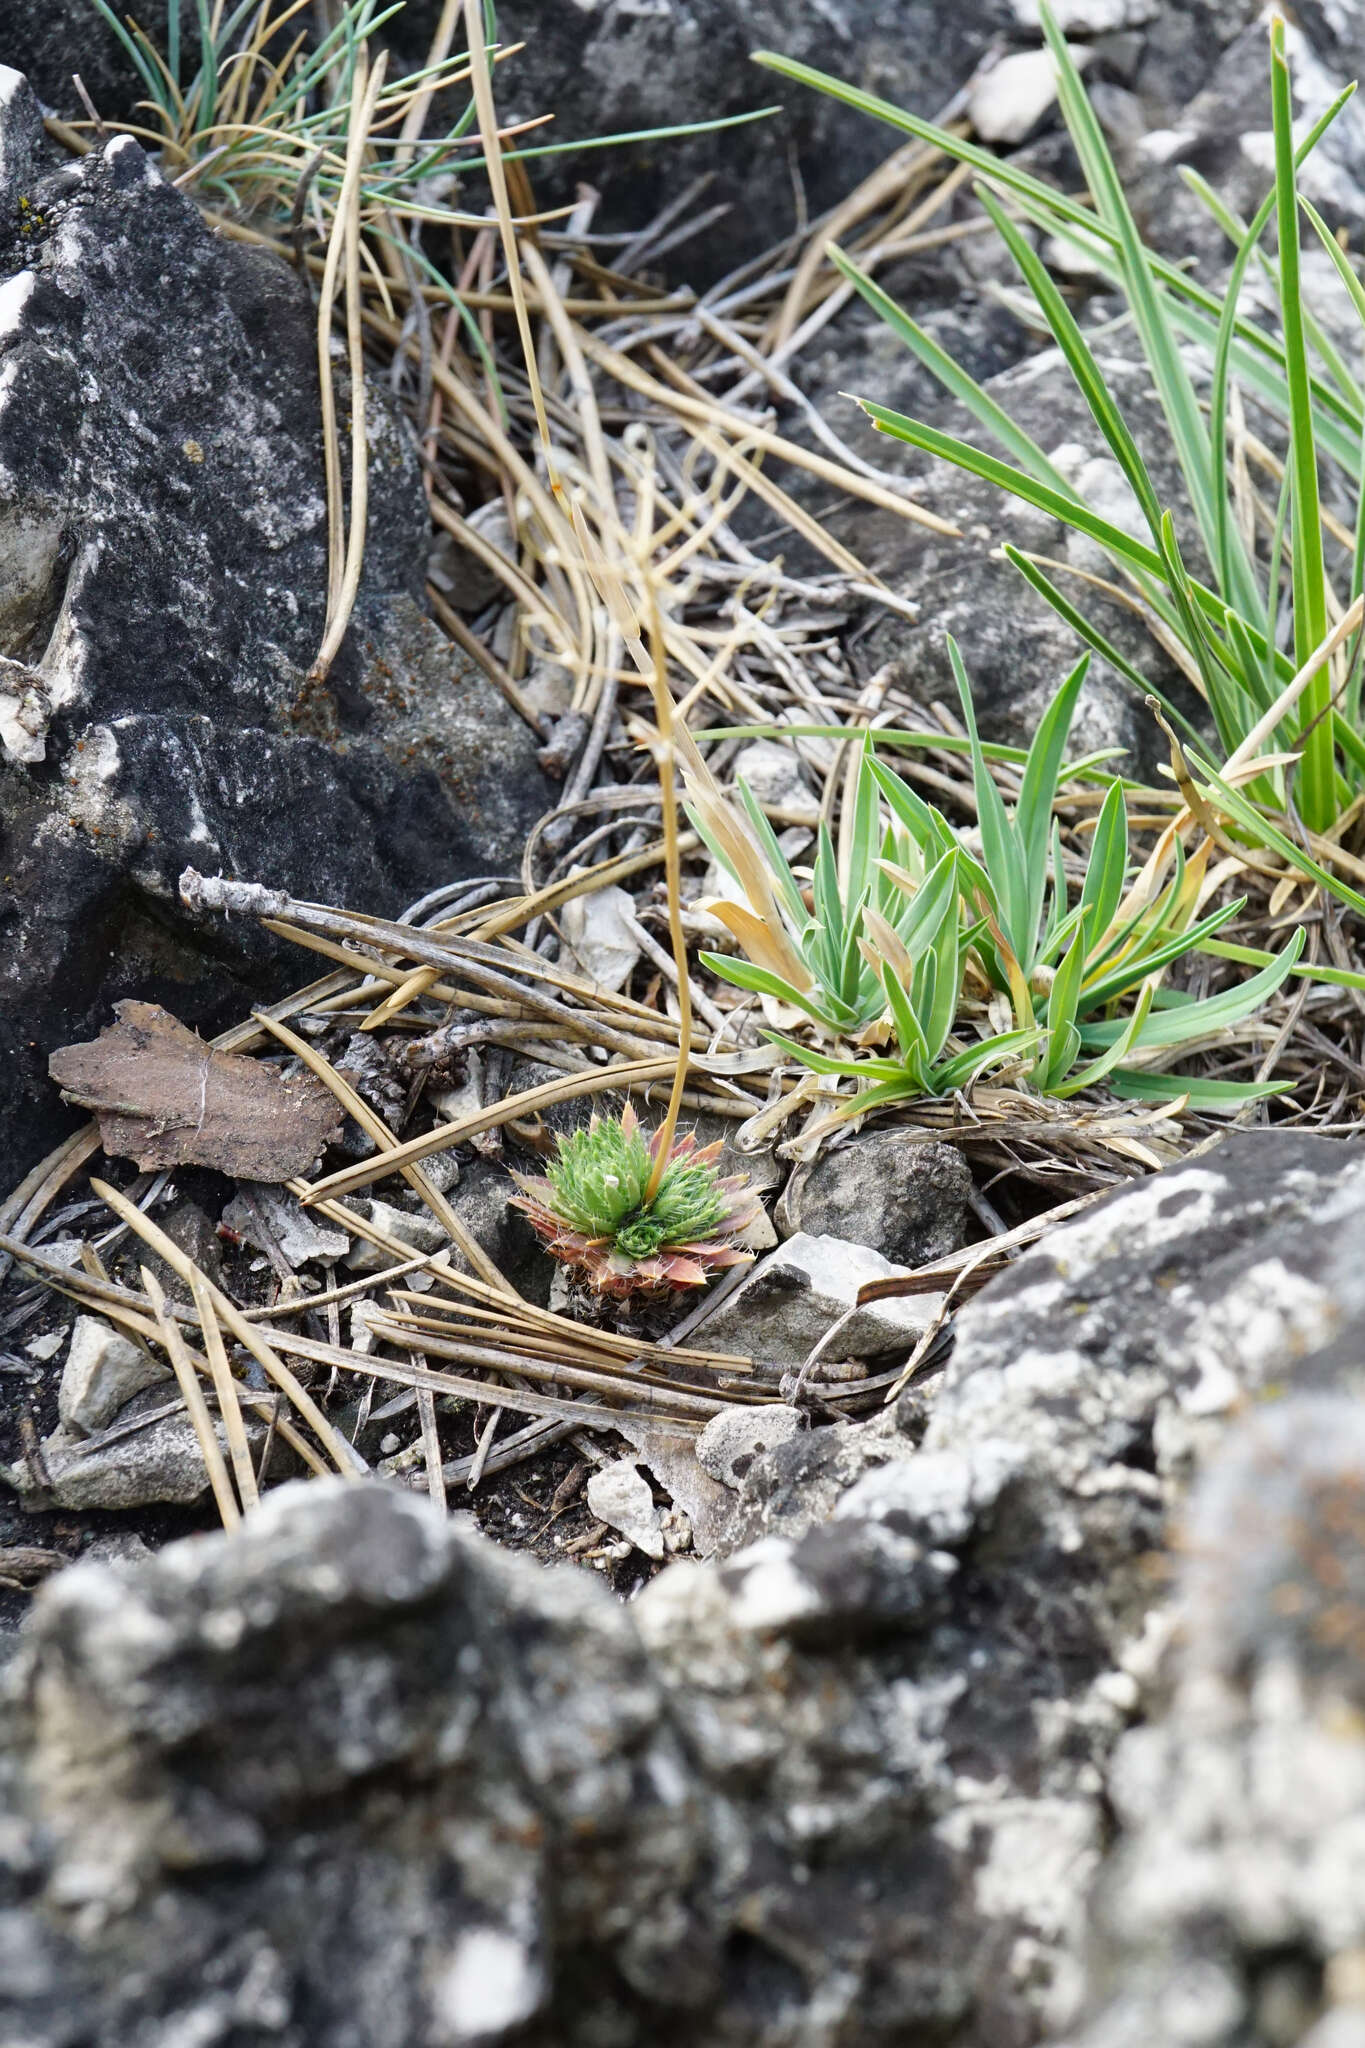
(165, 1098)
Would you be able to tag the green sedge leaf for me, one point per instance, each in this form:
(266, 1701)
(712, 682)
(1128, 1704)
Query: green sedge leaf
(1139, 1086)
(1166, 1028)
(758, 981)
(1038, 790)
(789, 895)
(999, 842)
(1107, 869)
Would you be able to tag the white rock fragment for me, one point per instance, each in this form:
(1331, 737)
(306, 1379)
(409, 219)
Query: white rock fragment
(102, 1373)
(767, 1592)
(795, 1296)
(364, 1315)
(600, 932)
(297, 1234)
(672, 1459)
(416, 1229)
(733, 1439)
(619, 1496)
(48, 1345)
(24, 707)
(1008, 102)
(774, 772)
(490, 1985)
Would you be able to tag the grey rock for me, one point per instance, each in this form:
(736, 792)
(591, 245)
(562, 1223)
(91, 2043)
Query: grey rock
(128, 1464)
(162, 586)
(904, 1198)
(1237, 1868)
(732, 1439)
(938, 1497)
(796, 1296)
(264, 1213)
(797, 1484)
(861, 1765)
(775, 773)
(481, 1200)
(417, 1229)
(103, 1371)
(842, 1583)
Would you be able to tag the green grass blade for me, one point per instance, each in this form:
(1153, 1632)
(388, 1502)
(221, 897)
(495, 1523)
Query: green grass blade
(151, 78)
(1158, 950)
(1089, 377)
(1167, 1028)
(1356, 292)
(863, 844)
(1174, 388)
(1070, 510)
(1317, 777)
(1060, 1016)
(789, 894)
(931, 905)
(1038, 790)
(1263, 831)
(955, 380)
(758, 981)
(1107, 869)
(1200, 1094)
(1305, 970)
(909, 1035)
(1002, 854)
(1097, 1070)
(966, 1067)
(825, 1063)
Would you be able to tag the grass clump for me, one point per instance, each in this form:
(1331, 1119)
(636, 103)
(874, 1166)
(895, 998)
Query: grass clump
(1252, 615)
(973, 963)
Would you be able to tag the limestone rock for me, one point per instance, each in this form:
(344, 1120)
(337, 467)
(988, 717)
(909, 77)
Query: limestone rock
(732, 1440)
(620, 1496)
(103, 1371)
(795, 1296)
(888, 1190)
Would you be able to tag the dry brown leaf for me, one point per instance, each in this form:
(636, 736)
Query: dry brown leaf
(165, 1098)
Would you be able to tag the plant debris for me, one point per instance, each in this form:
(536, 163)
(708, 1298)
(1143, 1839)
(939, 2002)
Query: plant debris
(165, 1098)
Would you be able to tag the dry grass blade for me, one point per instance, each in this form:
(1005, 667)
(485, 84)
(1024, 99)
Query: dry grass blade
(431, 1444)
(375, 1127)
(196, 1407)
(344, 556)
(226, 1389)
(347, 1460)
(348, 1179)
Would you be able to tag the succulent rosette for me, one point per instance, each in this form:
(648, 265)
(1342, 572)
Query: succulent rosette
(590, 1210)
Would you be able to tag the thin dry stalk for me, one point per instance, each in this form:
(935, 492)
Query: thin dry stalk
(344, 557)
(345, 1458)
(196, 1407)
(225, 1388)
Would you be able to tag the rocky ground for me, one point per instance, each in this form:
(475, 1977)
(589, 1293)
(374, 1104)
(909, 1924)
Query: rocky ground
(1025, 1708)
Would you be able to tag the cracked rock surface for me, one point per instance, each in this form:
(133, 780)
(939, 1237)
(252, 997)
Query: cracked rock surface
(946, 1759)
(163, 565)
